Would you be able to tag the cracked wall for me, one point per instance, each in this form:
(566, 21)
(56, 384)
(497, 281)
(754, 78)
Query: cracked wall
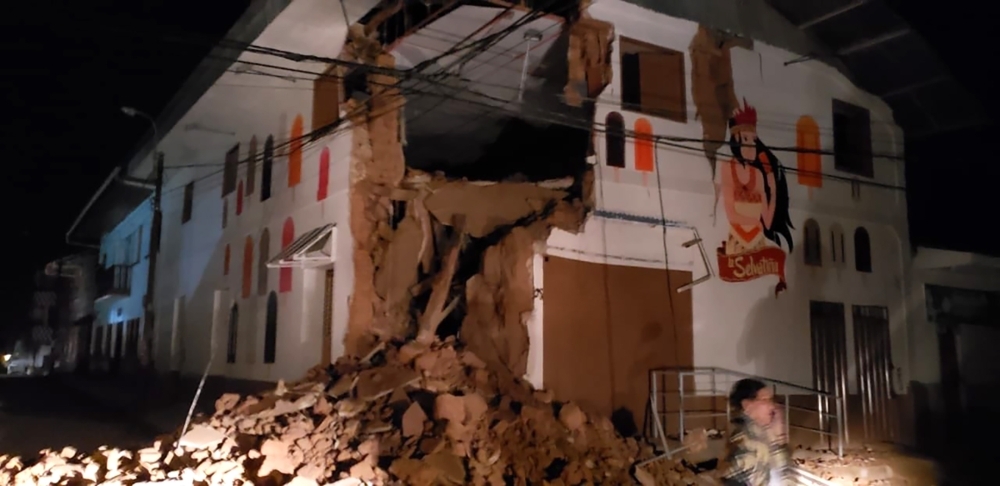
(436, 255)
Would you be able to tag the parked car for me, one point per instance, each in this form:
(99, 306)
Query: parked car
(20, 365)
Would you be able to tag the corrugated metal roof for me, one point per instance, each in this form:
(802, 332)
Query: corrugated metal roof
(300, 244)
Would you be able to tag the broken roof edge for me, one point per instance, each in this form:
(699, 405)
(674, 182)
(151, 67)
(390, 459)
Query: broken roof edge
(753, 19)
(258, 15)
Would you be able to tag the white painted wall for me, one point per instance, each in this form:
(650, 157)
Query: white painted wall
(742, 326)
(115, 311)
(190, 266)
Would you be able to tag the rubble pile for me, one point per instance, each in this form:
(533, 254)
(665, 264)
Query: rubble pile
(420, 414)
(661, 471)
(862, 467)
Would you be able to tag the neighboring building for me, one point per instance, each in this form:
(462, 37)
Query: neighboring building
(801, 255)
(116, 225)
(63, 311)
(954, 336)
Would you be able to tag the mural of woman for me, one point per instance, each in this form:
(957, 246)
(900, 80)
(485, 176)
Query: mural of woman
(755, 196)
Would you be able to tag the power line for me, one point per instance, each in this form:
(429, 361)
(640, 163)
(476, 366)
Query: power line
(665, 140)
(658, 139)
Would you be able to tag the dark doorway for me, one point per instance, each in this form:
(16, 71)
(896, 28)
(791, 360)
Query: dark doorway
(234, 321)
(271, 328)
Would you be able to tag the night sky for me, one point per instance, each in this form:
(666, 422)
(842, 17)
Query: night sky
(69, 67)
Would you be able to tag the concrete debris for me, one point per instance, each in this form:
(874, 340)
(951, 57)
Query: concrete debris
(661, 471)
(858, 467)
(417, 414)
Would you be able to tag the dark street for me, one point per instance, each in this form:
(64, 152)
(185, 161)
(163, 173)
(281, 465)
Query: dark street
(39, 413)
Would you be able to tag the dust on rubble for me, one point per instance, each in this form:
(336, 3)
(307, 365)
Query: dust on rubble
(417, 414)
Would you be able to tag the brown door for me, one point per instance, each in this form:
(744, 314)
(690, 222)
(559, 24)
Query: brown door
(607, 326)
(328, 318)
(873, 354)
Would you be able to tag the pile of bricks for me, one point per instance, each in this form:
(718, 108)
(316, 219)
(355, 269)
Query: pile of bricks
(420, 414)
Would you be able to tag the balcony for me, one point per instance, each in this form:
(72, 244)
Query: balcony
(114, 281)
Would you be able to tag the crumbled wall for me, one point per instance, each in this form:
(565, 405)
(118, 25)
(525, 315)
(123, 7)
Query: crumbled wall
(588, 59)
(712, 85)
(454, 246)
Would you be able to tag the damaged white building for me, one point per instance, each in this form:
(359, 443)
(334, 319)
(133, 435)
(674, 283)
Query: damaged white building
(585, 192)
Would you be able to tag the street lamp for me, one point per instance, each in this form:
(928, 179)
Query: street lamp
(134, 113)
(154, 241)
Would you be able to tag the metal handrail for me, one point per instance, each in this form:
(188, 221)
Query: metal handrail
(713, 373)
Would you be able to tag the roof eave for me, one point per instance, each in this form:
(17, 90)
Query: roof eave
(258, 15)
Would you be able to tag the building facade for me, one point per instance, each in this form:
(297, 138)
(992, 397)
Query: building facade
(749, 212)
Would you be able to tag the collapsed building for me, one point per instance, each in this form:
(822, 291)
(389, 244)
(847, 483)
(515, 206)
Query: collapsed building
(629, 205)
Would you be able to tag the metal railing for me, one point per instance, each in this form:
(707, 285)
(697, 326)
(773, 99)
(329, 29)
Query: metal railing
(710, 382)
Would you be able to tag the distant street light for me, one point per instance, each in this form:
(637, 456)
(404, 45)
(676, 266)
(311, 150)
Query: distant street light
(132, 112)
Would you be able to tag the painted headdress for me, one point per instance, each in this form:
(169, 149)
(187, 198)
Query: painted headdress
(744, 118)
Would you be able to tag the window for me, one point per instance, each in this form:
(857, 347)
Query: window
(653, 80)
(614, 139)
(239, 198)
(285, 273)
(230, 170)
(252, 166)
(267, 166)
(247, 267)
(262, 256)
(809, 160)
(295, 153)
(234, 318)
(862, 251)
(225, 213)
(271, 328)
(813, 245)
(837, 255)
(225, 261)
(326, 99)
(131, 250)
(137, 246)
(852, 139)
(644, 151)
(188, 202)
(324, 174)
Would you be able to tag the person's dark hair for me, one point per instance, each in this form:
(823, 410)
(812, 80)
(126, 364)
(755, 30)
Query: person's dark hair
(745, 389)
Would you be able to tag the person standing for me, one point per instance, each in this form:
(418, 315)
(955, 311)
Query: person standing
(755, 454)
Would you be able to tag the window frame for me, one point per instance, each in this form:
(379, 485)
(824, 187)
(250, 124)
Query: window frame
(852, 149)
(626, 46)
(812, 243)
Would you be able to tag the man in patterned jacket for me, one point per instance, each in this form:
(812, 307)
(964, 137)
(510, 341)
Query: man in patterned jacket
(756, 453)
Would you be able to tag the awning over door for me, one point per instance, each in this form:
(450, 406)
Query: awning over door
(315, 248)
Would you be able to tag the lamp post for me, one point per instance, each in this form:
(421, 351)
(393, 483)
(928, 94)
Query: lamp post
(154, 241)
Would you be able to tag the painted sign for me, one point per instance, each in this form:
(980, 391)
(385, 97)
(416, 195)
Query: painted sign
(755, 196)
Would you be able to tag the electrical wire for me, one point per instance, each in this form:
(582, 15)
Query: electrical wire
(436, 79)
(202, 40)
(669, 141)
